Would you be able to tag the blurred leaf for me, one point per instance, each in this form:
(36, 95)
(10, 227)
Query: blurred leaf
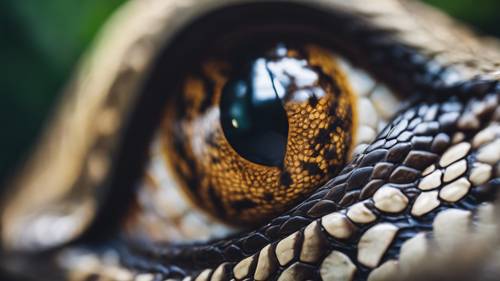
(40, 44)
(482, 14)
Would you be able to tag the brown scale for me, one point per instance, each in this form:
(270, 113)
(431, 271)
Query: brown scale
(321, 122)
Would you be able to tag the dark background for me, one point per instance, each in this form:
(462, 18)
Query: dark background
(41, 41)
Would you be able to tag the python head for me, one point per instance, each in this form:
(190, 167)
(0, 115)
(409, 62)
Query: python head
(267, 140)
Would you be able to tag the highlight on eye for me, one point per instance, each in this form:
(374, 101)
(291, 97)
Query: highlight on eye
(249, 135)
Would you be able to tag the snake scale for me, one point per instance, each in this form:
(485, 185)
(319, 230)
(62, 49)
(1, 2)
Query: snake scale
(417, 202)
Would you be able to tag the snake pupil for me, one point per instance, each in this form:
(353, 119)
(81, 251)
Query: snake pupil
(252, 115)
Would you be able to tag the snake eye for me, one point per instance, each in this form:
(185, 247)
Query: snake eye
(250, 135)
(252, 131)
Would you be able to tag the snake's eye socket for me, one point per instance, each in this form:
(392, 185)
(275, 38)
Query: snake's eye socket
(250, 132)
(250, 135)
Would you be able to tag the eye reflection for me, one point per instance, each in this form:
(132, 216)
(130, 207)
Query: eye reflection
(249, 135)
(252, 115)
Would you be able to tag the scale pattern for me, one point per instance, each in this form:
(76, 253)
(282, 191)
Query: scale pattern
(425, 182)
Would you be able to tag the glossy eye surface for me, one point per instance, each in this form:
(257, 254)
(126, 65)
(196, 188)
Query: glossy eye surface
(249, 134)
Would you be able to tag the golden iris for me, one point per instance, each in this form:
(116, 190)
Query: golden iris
(248, 136)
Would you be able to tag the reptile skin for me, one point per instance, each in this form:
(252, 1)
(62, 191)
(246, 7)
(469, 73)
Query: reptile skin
(372, 221)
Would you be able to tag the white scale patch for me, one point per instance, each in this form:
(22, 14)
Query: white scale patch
(167, 214)
(450, 228)
(377, 104)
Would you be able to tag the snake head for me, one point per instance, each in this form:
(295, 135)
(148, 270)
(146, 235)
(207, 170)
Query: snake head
(331, 140)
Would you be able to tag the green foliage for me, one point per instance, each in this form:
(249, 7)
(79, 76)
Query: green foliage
(39, 45)
(484, 15)
(41, 40)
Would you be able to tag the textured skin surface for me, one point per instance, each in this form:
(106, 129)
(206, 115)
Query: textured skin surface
(396, 159)
(454, 94)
